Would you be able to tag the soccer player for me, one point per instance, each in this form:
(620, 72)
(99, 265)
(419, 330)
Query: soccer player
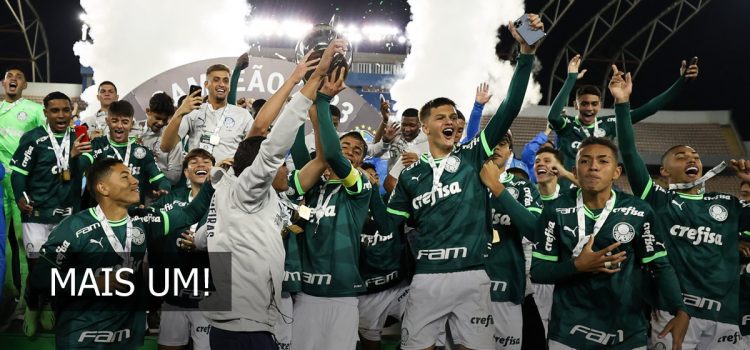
(745, 190)
(17, 116)
(113, 235)
(118, 145)
(160, 109)
(572, 130)
(600, 248)
(106, 94)
(444, 195)
(215, 126)
(405, 148)
(515, 208)
(325, 313)
(703, 232)
(181, 320)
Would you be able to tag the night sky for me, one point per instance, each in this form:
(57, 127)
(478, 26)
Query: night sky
(716, 35)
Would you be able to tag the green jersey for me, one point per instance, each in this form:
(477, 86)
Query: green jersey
(79, 244)
(445, 244)
(329, 247)
(506, 264)
(590, 310)
(139, 159)
(745, 299)
(36, 172)
(380, 263)
(292, 265)
(16, 119)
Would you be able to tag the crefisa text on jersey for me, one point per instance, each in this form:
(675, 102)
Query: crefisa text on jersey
(119, 281)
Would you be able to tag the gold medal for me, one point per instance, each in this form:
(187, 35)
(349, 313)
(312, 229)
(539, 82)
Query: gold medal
(65, 175)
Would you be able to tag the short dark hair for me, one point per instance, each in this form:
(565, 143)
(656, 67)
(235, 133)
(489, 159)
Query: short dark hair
(460, 115)
(161, 103)
(216, 68)
(508, 137)
(195, 153)
(258, 104)
(410, 113)
(556, 153)
(98, 171)
(106, 82)
(664, 155)
(358, 136)
(588, 90)
(424, 112)
(13, 67)
(368, 166)
(121, 108)
(56, 95)
(335, 111)
(603, 141)
(246, 152)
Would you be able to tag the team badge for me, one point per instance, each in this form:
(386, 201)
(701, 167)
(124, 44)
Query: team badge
(452, 164)
(623, 232)
(599, 132)
(22, 116)
(229, 122)
(718, 212)
(139, 152)
(513, 192)
(404, 335)
(138, 236)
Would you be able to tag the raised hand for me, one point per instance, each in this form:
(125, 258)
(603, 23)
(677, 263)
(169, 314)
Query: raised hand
(690, 72)
(190, 103)
(490, 176)
(385, 110)
(574, 65)
(80, 147)
(536, 23)
(243, 61)
(598, 261)
(303, 67)
(742, 166)
(337, 46)
(621, 86)
(483, 93)
(409, 158)
(390, 132)
(334, 83)
(25, 207)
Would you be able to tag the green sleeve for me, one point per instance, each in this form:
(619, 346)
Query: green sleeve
(548, 272)
(509, 108)
(153, 173)
(554, 117)
(300, 156)
(666, 284)
(521, 218)
(18, 182)
(329, 138)
(379, 211)
(658, 102)
(232, 97)
(399, 205)
(635, 168)
(546, 266)
(194, 212)
(22, 164)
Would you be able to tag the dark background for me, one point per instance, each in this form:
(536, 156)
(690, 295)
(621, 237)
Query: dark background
(718, 35)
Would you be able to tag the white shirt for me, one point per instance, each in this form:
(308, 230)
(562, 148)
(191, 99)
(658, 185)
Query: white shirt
(200, 125)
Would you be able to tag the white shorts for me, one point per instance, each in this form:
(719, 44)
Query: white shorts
(283, 328)
(34, 237)
(463, 298)
(324, 323)
(701, 334)
(508, 319)
(375, 308)
(543, 299)
(553, 345)
(178, 325)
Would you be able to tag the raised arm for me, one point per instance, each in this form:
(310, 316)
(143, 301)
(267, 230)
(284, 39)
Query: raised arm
(658, 102)
(310, 172)
(180, 217)
(272, 107)
(171, 136)
(482, 97)
(385, 109)
(300, 156)
(554, 117)
(242, 63)
(638, 176)
(500, 122)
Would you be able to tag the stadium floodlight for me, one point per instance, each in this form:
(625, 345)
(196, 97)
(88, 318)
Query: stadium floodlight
(82, 16)
(295, 29)
(401, 39)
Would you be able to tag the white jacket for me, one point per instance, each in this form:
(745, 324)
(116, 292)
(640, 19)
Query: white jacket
(245, 218)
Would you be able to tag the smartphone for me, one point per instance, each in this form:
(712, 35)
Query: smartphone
(194, 88)
(693, 61)
(528, 34)
(82, 130)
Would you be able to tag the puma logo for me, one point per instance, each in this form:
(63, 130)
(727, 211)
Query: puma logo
(662, 245)
(416, 178)
(678, 204)
(99, 242)
(572, 230)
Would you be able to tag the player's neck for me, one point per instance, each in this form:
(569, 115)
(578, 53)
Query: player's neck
(216, 104)
(194, 189)
(547, 188)
(693, 190)
(11, 98)
(112, 210)
(596, 200)
(439, 151)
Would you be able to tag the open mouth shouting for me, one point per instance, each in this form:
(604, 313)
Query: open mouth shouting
(118, 135)
(448, 133)
(692, 172)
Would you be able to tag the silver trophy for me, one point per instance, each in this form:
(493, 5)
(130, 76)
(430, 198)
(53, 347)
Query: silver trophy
(317, 40)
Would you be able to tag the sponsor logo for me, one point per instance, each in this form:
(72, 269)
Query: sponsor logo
(507, 341)
(62, 211)
(528, 198)
(575, 145)
(318, 279)
(701, 235)
(566, 210)
(649, 239)
(549, 234)
(381, 280)
(99, 242)
(139, 153)
(105, 336)
(701, 303)
(678, 204)
(718, 196)
(500, 219)
(513, 192)
(734, 338)
(27, 156)
(372, 240)
(629, 211)
(325, 212)
(745, 320)
(452, 164)
(291, 276)
(203, 329)
(598, 336)
(573, 231)
(499, 286)
(443, 254)
(416, 178)
(623, 232)
(404, 336)
(88, 229)
(718, 212)
(60, 250)
(211, 218)
(429, 198)
(485, 321)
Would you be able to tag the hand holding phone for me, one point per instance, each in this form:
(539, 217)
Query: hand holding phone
(528, 32)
